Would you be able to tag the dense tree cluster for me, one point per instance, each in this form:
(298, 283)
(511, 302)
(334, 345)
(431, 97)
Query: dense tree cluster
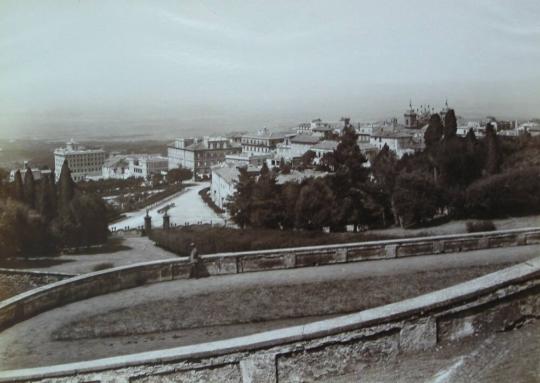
(39, 217)
(453, 177)
(179, 175)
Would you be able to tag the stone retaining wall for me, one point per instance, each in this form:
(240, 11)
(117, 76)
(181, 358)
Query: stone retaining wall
(13, 282)
(33, 302)
(496, 302)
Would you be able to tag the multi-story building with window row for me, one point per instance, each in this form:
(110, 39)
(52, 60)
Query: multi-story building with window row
(134, 165)
(200, 154)
(263, 142)
(82, 162)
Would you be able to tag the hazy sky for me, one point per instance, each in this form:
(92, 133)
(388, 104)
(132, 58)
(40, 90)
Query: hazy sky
(111, 67)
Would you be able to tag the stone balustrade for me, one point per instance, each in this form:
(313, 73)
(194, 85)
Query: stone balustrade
(33, 302)
(496, 302)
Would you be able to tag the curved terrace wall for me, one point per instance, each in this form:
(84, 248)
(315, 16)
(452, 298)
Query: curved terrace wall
(13, 282)
(38, 300)
(496, 302)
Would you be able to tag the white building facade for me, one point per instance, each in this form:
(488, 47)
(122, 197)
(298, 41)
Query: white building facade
(223, 184)
(296, 146)
(263, 142)
(82, 162)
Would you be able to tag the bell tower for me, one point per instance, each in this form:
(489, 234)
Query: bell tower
(411, 121)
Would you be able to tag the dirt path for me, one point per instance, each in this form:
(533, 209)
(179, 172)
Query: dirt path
(183, 312)
(121, 251)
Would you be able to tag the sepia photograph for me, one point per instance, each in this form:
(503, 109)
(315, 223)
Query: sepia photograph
(278, 191)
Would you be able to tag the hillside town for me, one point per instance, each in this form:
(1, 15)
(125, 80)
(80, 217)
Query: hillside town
(218, 159)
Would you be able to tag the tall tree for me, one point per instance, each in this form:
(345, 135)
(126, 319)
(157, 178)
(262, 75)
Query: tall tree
(434, 132)
(315, 206)
(4, 178)
(473, 158)
(450, 124)
(266, 209)
(46, 199)
(493, 155)
(18, 190)
(66, 186)
(289, 196)
(384, 168)
(29, 188)
(241, 202)
(348, 179)
(416, 197)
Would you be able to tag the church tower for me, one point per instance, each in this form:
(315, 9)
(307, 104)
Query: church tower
(411, 121)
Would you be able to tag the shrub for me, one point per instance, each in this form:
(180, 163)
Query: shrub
(205, 195)
(210, 240)
(479, 226)
(513, 193)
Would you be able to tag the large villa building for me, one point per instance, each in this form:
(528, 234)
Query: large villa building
(200, 154)
(263, 142)
(82, 162)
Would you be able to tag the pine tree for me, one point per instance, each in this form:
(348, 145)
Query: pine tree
(18, 191)
(29, 189)
(66, 186)
(450, 124)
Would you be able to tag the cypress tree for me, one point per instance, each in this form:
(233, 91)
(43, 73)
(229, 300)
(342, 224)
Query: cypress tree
(52, 193)
(240, 205)
(493, 156)
(18, 191)
(46, 202)
(434, 132)
(29, 189)
(450, 124)
(66, 186)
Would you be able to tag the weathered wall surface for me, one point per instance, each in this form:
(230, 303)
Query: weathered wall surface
(13, 282)
(499, 301)
(33, 302)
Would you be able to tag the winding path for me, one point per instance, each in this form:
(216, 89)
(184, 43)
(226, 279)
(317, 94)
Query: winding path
(189, 208)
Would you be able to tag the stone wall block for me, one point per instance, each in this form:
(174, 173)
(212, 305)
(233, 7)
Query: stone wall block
(419, 335)
(259, 369)
(391, 251)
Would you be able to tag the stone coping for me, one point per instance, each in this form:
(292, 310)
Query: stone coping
(36, 273)
(82, 277)
(448, 297)
(57, 287)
